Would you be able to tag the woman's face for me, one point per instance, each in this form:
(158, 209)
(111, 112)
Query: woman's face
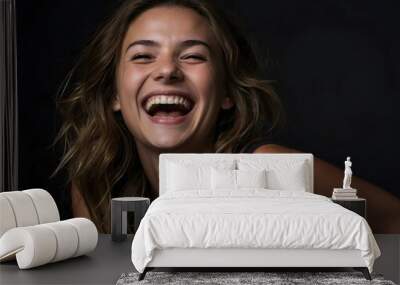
(169, 79)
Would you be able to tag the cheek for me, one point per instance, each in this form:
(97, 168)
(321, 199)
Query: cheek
(130, 82)
(208, 87)
(206, 82)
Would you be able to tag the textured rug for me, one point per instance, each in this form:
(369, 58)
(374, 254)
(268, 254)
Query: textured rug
(244, 278)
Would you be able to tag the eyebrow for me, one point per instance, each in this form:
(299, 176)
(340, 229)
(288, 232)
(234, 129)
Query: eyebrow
(184, 44)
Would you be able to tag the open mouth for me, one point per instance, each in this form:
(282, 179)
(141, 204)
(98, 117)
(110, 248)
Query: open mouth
(168, 106)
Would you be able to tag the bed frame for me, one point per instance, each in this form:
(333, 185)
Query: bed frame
(243, 259)
(250, 258)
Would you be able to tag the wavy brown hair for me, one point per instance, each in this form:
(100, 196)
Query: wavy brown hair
(98, 148)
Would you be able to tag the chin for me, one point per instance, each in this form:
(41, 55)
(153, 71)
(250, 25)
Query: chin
(169, 143)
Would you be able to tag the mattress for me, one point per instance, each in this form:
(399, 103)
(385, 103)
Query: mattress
(250, 218)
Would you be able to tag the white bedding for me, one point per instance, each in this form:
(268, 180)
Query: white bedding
(250, 218)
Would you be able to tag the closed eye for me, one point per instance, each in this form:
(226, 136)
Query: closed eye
(195, 57)
(146, 57)
(141, 56)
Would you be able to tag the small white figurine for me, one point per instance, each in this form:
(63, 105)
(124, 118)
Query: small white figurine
(347, 174)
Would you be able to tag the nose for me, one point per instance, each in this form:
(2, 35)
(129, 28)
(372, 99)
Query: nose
(168, 71)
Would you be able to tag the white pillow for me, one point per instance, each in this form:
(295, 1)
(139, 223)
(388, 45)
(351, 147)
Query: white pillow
(282, 174)
(223, 179)
(290, 179)
(251, 178)
(193, 174)
(236, 179)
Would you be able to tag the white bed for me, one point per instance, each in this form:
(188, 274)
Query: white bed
(203, 220)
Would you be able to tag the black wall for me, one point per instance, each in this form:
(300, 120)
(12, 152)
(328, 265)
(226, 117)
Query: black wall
(337, 64)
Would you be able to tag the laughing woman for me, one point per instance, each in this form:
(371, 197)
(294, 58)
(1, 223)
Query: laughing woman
(172, 76)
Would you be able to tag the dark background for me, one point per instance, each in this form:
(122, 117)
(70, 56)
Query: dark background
(337, 66)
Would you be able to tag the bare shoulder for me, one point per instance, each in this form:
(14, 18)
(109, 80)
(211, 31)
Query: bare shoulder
(274, 148)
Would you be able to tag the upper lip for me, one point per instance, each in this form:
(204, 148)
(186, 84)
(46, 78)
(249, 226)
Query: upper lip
(184, 94)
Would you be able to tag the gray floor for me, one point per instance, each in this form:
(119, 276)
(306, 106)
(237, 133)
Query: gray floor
(389, 262)
(110, 260)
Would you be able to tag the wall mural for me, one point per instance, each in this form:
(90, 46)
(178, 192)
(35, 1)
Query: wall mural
(315, 78)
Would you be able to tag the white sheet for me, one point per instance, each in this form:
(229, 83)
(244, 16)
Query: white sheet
(251, 218)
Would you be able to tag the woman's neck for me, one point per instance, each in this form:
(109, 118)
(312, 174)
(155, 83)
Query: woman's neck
(149, 160)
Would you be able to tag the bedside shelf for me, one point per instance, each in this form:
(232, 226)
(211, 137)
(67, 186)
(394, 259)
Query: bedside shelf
(358, 205)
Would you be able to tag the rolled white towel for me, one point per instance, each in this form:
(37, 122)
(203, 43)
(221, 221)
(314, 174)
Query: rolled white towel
(23, 208)
(40, 244)
(7, 218)
(26, 208)
(45, 205)
(67, 240)
(33, 246)
(87, 235)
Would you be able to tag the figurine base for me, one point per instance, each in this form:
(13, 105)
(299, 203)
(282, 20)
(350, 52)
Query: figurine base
(340, 197)
(345, 190)
(344, 193)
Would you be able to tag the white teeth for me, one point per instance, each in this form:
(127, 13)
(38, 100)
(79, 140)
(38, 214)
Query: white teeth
(148, 105)
(162, 99)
